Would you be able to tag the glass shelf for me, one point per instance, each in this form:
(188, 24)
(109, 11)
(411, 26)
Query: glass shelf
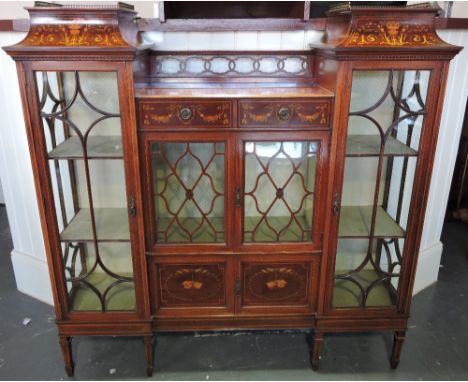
(355, 221)
(107, 147)
(111, 225)
(369, 145)
(120, 297)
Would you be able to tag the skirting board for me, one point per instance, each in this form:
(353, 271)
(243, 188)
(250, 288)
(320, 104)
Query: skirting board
(428, 267)
(32, 276)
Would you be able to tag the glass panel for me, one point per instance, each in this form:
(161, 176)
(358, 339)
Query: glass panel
(82, 128)
(279, 191)
(366, 278)
(103, 285)
(188, 186)
(384, 128)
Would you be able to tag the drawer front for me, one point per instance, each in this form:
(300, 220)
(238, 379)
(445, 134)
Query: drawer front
(278, 286)
(192, 284)
(182, 114)
(273, 113)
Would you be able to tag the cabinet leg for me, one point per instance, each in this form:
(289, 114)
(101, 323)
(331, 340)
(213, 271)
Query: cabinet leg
(317, 342)
(398, 339)
(149, 346)
(65, 345)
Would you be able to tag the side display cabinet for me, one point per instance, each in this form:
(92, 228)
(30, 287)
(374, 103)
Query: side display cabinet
(388, 71)
(183, 191)
(75, 75)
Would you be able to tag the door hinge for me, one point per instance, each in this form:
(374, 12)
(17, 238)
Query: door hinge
(238, 287)
(132, 206)
(238, 197)
(336, 203)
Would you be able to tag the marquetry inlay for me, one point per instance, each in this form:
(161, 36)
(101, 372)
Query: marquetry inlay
(75, 35)
(391, 33)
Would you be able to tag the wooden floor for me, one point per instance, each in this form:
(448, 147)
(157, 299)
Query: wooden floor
(436, 345)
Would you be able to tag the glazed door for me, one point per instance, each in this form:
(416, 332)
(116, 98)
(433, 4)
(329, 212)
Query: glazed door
(279, 213)
(90, 201)
(279, 191)
(188, 179)
(385, 170)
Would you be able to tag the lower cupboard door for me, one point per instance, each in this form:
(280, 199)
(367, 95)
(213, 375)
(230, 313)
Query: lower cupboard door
(191, 287)
(283, 286)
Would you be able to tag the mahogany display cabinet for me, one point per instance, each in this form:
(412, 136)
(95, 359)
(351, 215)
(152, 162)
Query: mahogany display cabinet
(183, 191)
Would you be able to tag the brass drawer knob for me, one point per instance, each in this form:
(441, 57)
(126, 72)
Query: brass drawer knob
(185, 113)
(284, 114)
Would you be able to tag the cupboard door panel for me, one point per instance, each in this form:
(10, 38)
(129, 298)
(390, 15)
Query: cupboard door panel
(188, 184)
(185, 286)
(278, 285)
(280, 200)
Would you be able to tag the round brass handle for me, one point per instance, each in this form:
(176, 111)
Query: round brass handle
(185, 113)
(284, 114)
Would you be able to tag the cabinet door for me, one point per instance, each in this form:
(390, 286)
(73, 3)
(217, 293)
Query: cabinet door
(275, 286)
(81, 136)
(188, 181)
(279, 190)
(386, 128)
(191, 285)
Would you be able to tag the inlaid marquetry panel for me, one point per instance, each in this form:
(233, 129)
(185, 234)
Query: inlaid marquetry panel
(75, 35)
(181, 114)
(191, 285)
(391, 33)
(277, 283)
(270, 113)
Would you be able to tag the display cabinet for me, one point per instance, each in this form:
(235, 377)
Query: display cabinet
(187, 191)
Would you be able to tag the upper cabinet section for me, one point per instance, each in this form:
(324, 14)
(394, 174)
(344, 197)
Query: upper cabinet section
(381, 33)
(107, 32)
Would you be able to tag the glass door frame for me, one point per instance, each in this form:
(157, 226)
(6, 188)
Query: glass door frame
(152, 246)
(314, 246)
(40, 162)
(427, 145)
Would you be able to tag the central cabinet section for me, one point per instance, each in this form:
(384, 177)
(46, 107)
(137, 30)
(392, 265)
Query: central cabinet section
(235, 204)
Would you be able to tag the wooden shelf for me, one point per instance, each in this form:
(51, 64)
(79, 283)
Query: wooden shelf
(105, 147)
(111, 225)
(120, 297)
(369, 146)
(355, 221)
(233, 90)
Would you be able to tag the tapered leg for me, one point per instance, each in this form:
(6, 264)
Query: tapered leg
(317, 342)
(149, 355)
(65, 344)
(398, 339)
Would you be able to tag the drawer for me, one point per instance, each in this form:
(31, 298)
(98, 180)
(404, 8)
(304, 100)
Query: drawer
(199, 287)
(282, 285)
(177, 113)
(293, 113)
